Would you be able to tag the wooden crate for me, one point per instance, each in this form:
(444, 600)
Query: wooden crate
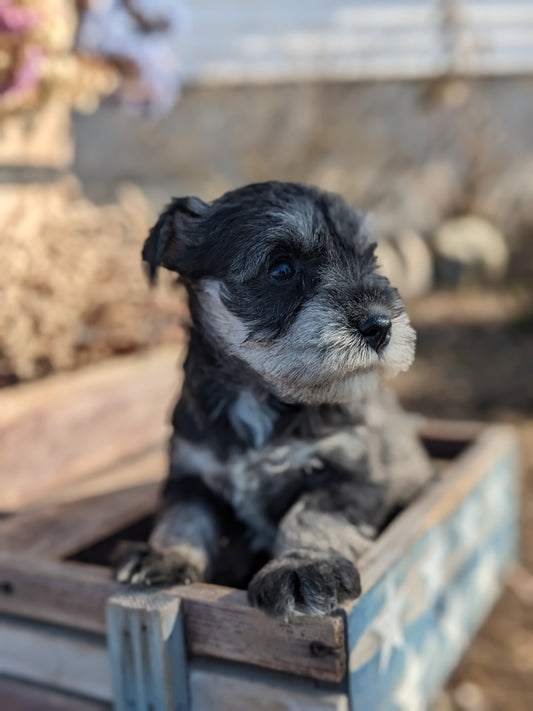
(73, 639)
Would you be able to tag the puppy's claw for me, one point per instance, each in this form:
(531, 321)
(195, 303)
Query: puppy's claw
(126, 559)
(289, 587)
(138, 564)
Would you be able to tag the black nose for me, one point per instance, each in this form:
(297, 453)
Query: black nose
(376, 331)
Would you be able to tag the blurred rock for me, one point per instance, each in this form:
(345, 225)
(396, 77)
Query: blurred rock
(443, 702)
(508, 200)
(407, 262)
(418, 261)
(469, 249)
(417, 199)
(390, 263)
(469, 697)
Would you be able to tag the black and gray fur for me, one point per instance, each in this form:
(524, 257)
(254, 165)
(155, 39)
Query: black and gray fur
(283, 424)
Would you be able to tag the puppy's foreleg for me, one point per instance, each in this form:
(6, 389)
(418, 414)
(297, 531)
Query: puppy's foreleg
(313, 569)
(180, 550)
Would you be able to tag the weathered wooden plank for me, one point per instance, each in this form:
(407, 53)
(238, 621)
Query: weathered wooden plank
(70, 425)
(147, 652)
(461, 430)
(225, 687)
(448, 438)
(62, 529)
(22, 696)
(219, 621)
(150, 465)
(54, 656)
(69, 594)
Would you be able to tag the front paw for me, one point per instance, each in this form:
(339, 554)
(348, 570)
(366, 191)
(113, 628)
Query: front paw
(292, 586)
(139, 564)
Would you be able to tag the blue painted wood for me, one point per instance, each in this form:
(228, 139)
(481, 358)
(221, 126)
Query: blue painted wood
(407, 633)
(147, 652)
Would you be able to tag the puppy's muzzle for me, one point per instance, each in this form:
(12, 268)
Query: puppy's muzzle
(376, 330)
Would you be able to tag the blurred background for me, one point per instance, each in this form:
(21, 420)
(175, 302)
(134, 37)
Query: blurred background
(419, 111)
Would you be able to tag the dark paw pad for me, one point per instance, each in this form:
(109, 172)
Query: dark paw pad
(291, 586)
(138, 564)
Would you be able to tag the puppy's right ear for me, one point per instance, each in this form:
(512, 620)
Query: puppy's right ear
(173, 232)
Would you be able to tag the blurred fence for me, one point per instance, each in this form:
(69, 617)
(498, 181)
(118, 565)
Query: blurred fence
(241, 41)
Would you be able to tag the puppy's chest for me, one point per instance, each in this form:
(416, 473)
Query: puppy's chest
(262, 483)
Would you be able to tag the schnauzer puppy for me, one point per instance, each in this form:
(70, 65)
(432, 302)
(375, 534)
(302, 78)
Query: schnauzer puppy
(282, 421)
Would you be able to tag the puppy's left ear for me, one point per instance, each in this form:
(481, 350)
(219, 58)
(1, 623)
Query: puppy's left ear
(173, 232)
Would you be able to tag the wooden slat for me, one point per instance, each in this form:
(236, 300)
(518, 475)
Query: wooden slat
(450, 430)
(21, 696)
(218, 621)
(224, 687)
(70, 425)
(149, 466)
(446, 440)
(63, 529)
(53, 656)
(70, 594)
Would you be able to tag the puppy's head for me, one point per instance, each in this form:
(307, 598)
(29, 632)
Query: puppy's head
(283, 276)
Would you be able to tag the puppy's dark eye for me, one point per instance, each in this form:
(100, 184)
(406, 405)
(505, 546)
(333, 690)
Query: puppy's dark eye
(281, 270)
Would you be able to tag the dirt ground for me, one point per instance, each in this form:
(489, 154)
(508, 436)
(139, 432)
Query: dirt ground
(475, 350)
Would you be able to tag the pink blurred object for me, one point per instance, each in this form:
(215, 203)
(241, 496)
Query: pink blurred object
(14, 19)
(27, 75)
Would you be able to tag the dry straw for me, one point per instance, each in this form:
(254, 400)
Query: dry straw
(72, 288)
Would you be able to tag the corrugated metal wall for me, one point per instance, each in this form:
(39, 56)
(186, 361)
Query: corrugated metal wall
(234, 41)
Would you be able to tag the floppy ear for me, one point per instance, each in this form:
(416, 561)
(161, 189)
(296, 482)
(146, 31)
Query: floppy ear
(170, 235)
